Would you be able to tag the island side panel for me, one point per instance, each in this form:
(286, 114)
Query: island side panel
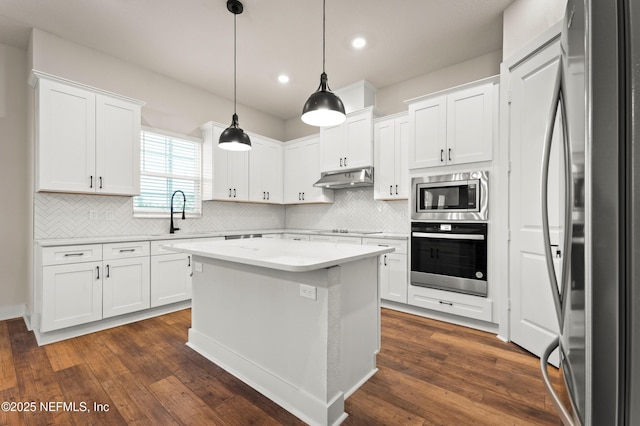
(360, 322)
(253, 322)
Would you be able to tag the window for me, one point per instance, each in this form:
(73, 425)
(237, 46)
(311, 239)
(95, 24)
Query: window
(168, 163)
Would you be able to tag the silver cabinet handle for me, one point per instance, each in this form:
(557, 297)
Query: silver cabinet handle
(396, 189)
(556, 292)
(127, 250)
(303, 196)
(98, 272)
(234, 193)
(385, 260)
(73, 254)
(90, 181)
(229, 192)
(100, 182)
(345, 161)
(449, 154)
(566, 418)
(340, 161)
(445, 303)
(268, 196)
(441, 154)
(108, 271)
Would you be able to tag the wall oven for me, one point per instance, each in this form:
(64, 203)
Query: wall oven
(458, 196)
(450, 256)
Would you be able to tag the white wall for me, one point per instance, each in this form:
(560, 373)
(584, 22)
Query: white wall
(15, 213)
(524, 20)
(390, 99)
(170, 105)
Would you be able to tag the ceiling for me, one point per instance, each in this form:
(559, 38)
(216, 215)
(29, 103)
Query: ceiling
(192, 40)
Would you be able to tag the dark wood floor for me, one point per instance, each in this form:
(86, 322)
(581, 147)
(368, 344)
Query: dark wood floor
(430, 373)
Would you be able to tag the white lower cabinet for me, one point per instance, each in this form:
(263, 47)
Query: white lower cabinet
(464, 305)
(393, 272)
(171, 278)
(336, 239)
(171, 274)
(125, 286)
(295, 237)
(71, 295)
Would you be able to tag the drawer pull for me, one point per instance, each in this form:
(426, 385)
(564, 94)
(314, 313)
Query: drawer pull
(108, 271)
(73, 254)
(98, 271)
(127, 250)
(445, 303)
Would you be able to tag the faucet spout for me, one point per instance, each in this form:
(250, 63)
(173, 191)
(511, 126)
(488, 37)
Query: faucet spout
(172, 228)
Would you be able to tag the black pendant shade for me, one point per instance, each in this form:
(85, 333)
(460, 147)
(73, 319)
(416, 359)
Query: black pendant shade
(233, 138)
(323, 108)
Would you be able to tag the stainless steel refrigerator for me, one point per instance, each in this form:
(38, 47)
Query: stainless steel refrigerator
(598, 296)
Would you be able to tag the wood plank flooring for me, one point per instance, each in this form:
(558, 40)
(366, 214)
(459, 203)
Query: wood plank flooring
(430, 373)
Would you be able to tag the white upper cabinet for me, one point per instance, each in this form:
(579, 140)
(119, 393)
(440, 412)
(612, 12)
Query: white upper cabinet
(265, 171)
(301, 171)
(87, 140)
(391, 142)
(225, 174)
(348, 145)
(453, 127)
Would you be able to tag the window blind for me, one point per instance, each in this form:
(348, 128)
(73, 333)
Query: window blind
(168, 163)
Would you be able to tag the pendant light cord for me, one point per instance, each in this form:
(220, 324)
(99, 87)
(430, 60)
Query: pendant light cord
(324, 7)
(235, 53)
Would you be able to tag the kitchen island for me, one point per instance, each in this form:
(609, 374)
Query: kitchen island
(298, 321)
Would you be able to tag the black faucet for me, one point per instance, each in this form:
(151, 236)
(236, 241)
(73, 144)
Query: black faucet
(172, 229)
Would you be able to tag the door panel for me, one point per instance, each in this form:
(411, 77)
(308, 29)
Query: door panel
(532, 316)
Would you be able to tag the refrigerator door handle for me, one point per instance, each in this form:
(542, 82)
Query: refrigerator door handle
(556, 291)
(565, 416)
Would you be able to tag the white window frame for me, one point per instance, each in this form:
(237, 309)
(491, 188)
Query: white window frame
(195, 177)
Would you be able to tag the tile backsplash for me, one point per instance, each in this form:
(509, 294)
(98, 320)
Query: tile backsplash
(76, 216)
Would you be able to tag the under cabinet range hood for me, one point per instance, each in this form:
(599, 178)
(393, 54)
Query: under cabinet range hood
(351, 178)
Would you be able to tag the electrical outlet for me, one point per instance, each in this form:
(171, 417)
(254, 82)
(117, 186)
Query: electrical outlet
(93, 214)
(308, 291)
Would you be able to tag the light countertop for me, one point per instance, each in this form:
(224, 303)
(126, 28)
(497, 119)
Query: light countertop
(158, 237)
(284, 255)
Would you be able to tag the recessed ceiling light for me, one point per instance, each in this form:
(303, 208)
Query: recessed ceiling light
(359, 43)
(283, 78)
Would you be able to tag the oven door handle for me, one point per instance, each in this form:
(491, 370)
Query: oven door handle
(448, 236)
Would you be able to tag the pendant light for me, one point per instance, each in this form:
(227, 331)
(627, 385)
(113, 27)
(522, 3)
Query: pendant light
(233, 138)
(323, 108)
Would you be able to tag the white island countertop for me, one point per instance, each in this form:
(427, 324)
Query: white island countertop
(283, 255)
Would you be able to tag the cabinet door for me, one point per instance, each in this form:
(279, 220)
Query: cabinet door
(117, 146)
(273, 172)
(394, 277)
(385, 162)
(238, 175)
(332, 148)
(265, 172)
(470, 125)
(428, 133)
(401, 156)
(293, 163)
(66, 136)
(358, 135)
(71, 295)
(311, 173)
(126, 286)
(170, 278)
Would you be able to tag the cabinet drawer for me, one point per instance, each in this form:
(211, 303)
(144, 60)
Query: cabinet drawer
(125, 250)
(156, 246)
(295, 237)
(399, 245)
(479, 308)
(71, 254)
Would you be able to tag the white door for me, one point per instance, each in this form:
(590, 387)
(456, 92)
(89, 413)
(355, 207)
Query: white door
(359, 138)
(532, 317)
(385, 162)
(428, 133)
(402, 158)
(469, 125)
(117, 146)
(170, 279)
(65, 155)
(71, 295)
(126, 286)
(393, 277)
(332, 148)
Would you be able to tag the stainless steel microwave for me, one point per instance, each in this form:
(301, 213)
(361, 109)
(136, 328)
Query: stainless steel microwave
(457, 196)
